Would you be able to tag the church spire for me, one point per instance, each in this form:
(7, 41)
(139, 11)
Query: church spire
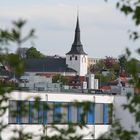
(77, 33)
(77, 47)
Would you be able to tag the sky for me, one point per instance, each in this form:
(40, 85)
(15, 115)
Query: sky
(104, 29)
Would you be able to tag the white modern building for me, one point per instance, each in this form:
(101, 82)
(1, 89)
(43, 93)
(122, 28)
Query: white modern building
(97, 119)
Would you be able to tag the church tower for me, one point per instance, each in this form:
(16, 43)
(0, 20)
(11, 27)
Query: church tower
(76, 58)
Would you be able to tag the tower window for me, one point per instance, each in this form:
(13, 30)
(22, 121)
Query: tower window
(75, 57)
(70, 58)
(82, 59)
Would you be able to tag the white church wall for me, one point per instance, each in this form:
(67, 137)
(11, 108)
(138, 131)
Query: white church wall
(80, 65)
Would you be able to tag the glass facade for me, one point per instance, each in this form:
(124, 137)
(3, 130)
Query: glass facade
(42, 112)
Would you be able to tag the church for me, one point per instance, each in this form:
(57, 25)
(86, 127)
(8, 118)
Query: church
(73, 66)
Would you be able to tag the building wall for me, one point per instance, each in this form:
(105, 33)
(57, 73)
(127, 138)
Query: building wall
(59, 97)
(79, 64)
(127, 119)
(93, 61)
(50, 74)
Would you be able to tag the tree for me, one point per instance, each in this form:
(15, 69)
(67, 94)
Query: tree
(14, 61)
(58, 78)
(132, 8)
(21, 52)
(33, 53)
(16, 32)
(109, 62)
(123, 63)
(97, 67)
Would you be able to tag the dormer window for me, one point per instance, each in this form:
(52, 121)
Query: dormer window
(75, 57)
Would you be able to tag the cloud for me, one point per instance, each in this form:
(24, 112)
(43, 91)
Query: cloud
(103, 28)
(64, 14)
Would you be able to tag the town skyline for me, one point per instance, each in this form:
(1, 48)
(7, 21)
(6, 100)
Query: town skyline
(104, 30)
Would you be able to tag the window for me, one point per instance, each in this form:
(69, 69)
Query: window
(90, 114)
(69, 112)
(35, 113)
(50, 113)
(13, 112)
(82, 59)
(23, 112)
(64, 113)
(75, 57)
(109, 111)
(70, 58)
(81, 114)
(73, 114)
(98, 113)
(42, 112)
(57, 113)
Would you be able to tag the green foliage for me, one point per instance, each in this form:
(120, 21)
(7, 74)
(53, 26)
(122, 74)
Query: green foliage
(106, 78)
(97, 67)
(14, 62)
(123, 63)
(33, 53)
(119, 133)
(16, 32)
(58, 78)
(130, 7)
(109, 62)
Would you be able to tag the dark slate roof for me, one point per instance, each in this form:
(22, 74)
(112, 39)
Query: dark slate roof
(77, 47)
(47, 64)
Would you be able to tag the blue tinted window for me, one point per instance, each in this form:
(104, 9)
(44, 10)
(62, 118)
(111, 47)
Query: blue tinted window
(18, 112)
(40, 112)
(105, 113)
(45, 113)
(79, 114)
(57, 112)
(90, 114)
(30, 112)
(69, 112)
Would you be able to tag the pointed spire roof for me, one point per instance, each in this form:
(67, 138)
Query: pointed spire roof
(77, 47)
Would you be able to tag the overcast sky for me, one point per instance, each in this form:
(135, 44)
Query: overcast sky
(104, 30)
